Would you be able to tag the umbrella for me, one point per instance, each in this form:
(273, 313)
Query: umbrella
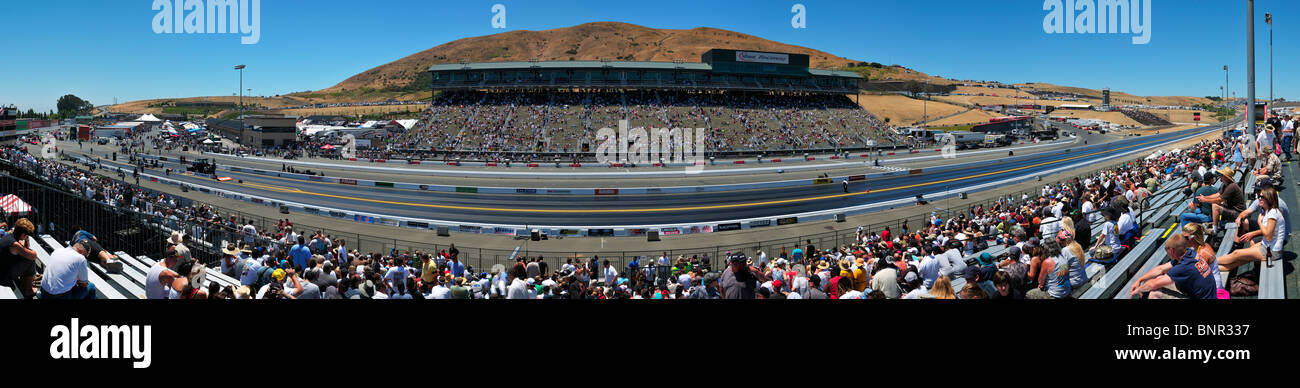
(327, 147)
(11, 205)
(208, 141)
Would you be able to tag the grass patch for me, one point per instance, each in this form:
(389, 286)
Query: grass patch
(954, 128)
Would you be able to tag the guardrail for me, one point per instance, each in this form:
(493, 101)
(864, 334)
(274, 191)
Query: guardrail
(480, 258)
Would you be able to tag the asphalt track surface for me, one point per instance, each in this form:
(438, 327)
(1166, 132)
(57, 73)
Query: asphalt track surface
(654, 209)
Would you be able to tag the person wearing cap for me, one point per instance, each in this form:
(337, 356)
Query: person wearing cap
(67, 274)
(192, 285)
(951, 262)
(1264, 142)
(861, 274)
(1270, 165)
(229, 259)
(739, 280)
(458, 290)
(886, 280)
(1200, 212)
(1229, 202)
(439, 288)
(159, 278)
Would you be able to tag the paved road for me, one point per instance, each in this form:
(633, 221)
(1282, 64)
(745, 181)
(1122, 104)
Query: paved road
(641, 210)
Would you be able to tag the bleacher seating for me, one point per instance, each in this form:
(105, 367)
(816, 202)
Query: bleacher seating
(104, 288)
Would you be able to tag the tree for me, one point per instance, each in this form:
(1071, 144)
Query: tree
(913, 87)
(70, 105)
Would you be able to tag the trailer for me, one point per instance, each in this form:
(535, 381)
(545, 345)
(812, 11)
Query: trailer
(82, 132)
(964, 140)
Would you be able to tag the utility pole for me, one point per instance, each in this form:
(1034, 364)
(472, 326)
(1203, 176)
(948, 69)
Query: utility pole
(241, 102)
(1227, 87)
(1250, 71)
(1268, 18)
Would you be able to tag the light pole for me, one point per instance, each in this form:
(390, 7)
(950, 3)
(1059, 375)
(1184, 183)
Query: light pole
(1227, 87)
(1250, 64)
(1268, 18)
(241, 101)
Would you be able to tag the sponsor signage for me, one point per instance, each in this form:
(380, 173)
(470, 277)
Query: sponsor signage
(384, 184)
(636, 232)
(469, 229)
(787, 220)
(346, 181)
(599, 232)
(855, 178)
(417, 224)
(466, 189)
(311, 210)
(525, 191)
(749, 56)
(670, 231)
(726, 227)
(315, 177)
(337, 214)
(606, 191)
(503, 231)
(760, 223)
(559, 191)
(570, 232)
(424, 187)
(821, 181)
(654, 190)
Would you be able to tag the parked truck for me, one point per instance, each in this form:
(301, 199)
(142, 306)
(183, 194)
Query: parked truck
(963, 140)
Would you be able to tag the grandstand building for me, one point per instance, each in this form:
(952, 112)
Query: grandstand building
(264, 131)
(8, 125)
(718, 69)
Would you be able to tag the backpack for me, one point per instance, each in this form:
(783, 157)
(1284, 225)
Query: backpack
(1243, 285)
(263, 277)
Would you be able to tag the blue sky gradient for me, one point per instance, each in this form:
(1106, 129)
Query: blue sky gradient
(102, 49)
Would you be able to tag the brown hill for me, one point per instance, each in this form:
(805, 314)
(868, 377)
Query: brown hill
(591, 41)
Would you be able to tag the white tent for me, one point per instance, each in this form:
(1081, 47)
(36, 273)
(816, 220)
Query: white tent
(407, 123)
(147, 117)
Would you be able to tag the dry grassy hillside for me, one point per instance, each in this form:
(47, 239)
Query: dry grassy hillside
(1120, 98)
(901, 110)
(591, 41)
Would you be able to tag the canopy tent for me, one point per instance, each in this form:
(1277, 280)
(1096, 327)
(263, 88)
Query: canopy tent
(327, 147)
(11, 205)
(147, 117)
(208, 141)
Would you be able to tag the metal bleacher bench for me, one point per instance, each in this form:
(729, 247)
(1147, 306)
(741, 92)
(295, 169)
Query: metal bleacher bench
(1225, 247)
(104, 289)
(1272, 283)
(1159, 256)
(1101, 288)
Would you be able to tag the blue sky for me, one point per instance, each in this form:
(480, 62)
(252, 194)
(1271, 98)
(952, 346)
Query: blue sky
(106, 49)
